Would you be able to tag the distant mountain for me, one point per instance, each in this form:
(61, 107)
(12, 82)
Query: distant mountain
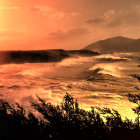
(115, 44)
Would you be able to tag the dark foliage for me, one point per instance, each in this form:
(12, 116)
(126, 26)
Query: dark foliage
(66, 122)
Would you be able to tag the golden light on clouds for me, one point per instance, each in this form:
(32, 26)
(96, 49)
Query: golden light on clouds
(78, 23)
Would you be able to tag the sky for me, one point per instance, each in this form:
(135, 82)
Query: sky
(65, 24)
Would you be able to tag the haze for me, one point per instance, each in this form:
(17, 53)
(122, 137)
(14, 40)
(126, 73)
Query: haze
(66, 24)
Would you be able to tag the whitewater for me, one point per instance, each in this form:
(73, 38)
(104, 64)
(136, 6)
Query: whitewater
(97, 81)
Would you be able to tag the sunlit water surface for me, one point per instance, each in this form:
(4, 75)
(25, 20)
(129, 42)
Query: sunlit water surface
(99, 81)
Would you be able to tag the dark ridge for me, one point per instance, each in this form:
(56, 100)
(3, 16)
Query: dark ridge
(111, 60)
(33, 56)
(40, 56)
(83, 52)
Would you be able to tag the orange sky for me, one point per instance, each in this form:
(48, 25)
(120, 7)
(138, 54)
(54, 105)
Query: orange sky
(67, 24)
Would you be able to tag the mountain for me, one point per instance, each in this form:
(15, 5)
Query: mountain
(115, 44)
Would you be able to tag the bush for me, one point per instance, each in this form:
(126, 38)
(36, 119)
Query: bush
(64, 122)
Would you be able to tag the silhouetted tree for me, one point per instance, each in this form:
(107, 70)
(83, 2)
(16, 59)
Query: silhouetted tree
(65, 122)
(135, 98)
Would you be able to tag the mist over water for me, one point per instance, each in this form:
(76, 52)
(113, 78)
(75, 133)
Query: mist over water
(99, 81)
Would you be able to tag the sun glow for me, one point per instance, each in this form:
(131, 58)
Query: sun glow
(1, 15)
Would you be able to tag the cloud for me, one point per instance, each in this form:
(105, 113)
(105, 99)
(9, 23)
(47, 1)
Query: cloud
(53, 12)
(96, 20)
(68, 34)
(48, 11)
(110, 18)
(10, 8)
(117, 18)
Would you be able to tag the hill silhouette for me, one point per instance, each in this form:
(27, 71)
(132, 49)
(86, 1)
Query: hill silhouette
(115, 44)
(41, 56)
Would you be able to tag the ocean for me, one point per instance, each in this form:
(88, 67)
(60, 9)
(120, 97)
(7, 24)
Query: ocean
(97, 81)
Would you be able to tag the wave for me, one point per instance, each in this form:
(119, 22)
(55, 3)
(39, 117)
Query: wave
(108, 69)
(75, 61)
